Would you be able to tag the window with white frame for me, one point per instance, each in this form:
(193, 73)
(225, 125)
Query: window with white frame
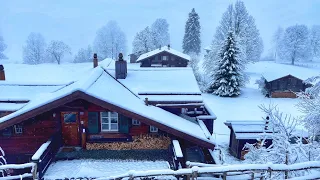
(135, 122)
(109, 121)
(153, 129)
(18, 129)
(165, 58)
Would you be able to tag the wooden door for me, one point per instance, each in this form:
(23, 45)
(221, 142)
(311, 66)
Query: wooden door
(70, 128)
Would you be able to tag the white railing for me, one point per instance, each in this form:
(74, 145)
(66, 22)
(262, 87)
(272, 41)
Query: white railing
(228, 170)
(32, 174)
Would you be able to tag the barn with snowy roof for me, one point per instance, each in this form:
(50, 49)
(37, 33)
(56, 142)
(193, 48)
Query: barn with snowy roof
(164, 56)
(285, 84)
(110, 107)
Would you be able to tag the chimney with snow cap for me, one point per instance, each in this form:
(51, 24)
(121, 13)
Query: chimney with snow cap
(2, 74)
(95, 60)
(121, 68)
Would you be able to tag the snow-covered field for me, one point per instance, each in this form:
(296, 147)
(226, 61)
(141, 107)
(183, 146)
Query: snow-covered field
(99, 168)
(246, 106)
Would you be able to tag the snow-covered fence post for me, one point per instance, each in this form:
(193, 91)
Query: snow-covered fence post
(34, 171)
(224, 176)
(195, 170)
(286, 172)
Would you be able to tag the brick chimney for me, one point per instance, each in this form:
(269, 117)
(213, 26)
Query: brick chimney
(95, 60)
(121, 68)
(2, 74)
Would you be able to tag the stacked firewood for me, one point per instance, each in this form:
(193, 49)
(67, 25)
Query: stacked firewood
(139, 142)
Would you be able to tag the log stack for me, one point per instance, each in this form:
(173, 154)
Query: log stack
(139, 142)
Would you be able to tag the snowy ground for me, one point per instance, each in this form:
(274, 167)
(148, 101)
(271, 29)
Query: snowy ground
(99, 168)
(246, 106)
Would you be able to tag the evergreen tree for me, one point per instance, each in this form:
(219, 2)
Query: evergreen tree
(191, 39)
(228, 72)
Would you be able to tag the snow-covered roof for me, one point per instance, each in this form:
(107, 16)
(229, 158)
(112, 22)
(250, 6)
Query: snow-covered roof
(247, 126)
(253, 135)
(273, 71)
(163, 49)
(100, 84)
(169, 82)
(18, 91)
(161, 84)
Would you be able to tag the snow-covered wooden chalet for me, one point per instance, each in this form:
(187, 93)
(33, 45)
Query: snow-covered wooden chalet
(164, 56)
(284, 85)
(242, 132)
(111, 106)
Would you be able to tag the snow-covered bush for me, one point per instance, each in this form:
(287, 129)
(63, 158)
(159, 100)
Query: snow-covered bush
(310, 106)
(262, 85)
(282, 150)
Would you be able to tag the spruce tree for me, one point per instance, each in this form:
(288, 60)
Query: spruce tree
(228, 72)
(191, 40)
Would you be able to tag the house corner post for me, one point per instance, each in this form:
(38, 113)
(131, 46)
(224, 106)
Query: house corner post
(84, 139)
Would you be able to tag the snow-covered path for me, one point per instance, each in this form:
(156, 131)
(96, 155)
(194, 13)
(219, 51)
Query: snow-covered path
(99, 168)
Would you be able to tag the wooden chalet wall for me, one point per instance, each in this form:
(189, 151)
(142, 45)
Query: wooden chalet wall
(173, 60)
(285, 86)
(35, 132)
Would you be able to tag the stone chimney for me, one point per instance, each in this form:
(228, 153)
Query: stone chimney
(168, 46)
(95, 60)
(2, 74)
(121, 68)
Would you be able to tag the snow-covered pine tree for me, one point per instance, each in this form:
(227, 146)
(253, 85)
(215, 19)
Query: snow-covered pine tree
(227, 77)
(191, 39)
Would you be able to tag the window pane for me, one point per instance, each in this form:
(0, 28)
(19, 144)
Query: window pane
(113, 114)
(114, 126)
(104, 114)
(70, 118)
(114, 120)
(104, 120)
(104, 127)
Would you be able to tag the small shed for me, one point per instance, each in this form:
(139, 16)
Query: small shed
(164, 56)
(242, 132)
(284, 86)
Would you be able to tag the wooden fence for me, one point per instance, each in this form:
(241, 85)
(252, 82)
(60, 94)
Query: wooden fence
(39, 163)
(47, 154)
(31, 166)
(252, 171)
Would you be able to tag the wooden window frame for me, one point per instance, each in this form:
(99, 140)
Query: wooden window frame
(18, 129)
(153, 129)
(136, 122)
(109, 122)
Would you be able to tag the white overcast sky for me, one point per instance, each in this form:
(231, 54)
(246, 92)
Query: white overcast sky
(76, 21)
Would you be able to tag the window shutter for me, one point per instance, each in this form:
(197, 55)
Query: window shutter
(93, 122)
(124, 124)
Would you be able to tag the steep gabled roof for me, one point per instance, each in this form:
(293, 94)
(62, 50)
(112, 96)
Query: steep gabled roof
(102, 89)
(163, 49)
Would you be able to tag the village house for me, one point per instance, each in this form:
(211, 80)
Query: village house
(285, 86)
(242, 132)
(164, 56)
(113, 108)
